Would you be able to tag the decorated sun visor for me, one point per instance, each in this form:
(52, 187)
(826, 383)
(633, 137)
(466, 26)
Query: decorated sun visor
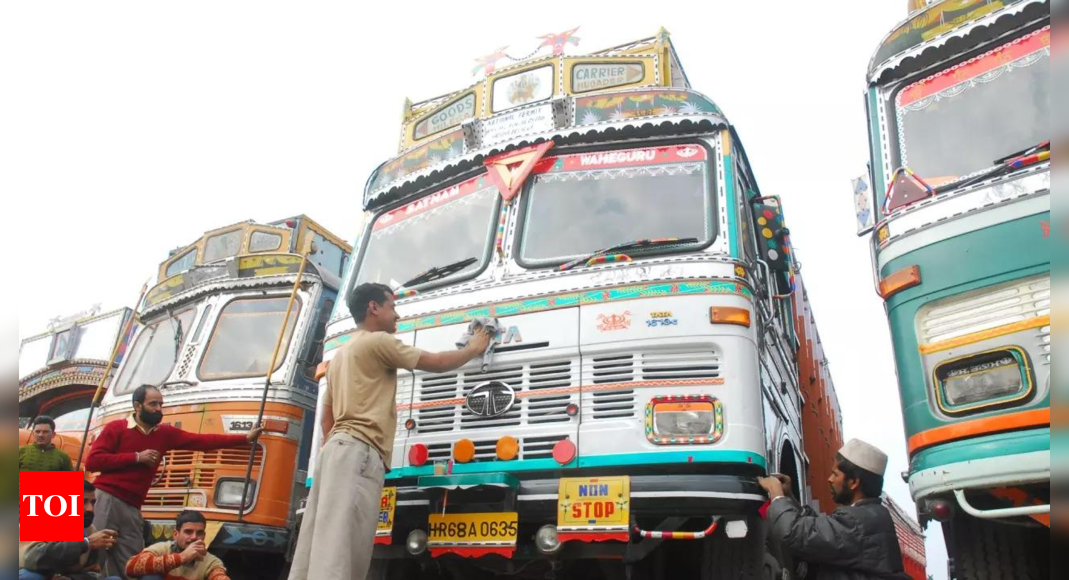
(939, 18)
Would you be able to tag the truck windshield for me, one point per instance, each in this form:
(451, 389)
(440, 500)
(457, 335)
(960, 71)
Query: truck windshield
(958, 122)
(581, 203)
(443, 228)
(244, 338)
(155, 352)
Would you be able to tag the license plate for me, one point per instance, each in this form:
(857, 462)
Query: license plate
(498, 529)
(594, 502)
(384, 529)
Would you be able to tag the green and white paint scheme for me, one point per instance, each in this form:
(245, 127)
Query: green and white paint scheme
(955, 94)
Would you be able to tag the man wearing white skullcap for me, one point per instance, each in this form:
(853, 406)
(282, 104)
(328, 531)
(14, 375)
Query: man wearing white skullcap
(858, 541)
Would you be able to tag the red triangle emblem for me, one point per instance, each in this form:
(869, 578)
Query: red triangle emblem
(509, 171)
(906, 188)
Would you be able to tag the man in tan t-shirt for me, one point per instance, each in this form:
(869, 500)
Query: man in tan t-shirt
(359, 421)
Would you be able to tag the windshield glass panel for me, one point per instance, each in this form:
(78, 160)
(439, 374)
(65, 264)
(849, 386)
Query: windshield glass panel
(440, 229)
(245, 336)
(187, 261)
(155, 352)
(72, 420)
(585, 202)
(959, 122)
(223, 246)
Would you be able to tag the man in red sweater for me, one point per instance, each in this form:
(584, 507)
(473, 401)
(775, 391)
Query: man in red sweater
(126, 455)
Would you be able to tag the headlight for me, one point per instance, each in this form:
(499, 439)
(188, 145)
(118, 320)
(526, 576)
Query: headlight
(684, 420)
(998, 376)
(228, 493)
(680, 422)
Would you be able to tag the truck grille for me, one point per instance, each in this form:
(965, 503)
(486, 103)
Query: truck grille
(1044, 342)
(642, 367)
(983, 310)
(198, 469)
(531, 408)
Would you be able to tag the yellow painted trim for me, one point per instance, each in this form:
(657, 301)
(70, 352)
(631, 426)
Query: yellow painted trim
(953, 411)
(725, 142)
(410, 127)
(312, 224)
(1038, 322)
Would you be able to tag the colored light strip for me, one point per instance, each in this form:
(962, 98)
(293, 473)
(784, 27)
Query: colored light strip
(608, 259)
(564, 300)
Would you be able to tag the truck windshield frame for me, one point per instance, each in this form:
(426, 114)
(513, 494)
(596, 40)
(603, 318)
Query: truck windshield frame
(245, 334)
(155, 342)
(586, 191)
(1006, 88)
(435, 229)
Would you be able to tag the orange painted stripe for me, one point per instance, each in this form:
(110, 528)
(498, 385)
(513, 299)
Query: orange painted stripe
(568, 390)
(1038, 322)
(651, 384)
(976, 427)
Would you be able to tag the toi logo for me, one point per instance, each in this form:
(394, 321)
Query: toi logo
(51, 506)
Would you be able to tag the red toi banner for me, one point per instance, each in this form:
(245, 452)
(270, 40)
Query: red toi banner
(52, 506)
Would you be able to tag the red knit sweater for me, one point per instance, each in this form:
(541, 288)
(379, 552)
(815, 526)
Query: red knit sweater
(114, 456)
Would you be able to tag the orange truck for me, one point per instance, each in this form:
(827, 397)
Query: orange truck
(209, 330)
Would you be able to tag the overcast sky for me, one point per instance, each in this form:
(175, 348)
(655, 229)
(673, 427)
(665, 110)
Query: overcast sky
(128, 129)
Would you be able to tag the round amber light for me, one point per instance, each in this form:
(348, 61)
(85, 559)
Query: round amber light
(464, 451)
(507, 448)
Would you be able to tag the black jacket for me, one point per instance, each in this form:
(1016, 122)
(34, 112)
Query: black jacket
(70, 559)
(855, 543)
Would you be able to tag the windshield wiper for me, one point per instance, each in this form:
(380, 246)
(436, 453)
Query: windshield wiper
(1007, 164)
(439, 272)
(1023, 152)
(635, 245)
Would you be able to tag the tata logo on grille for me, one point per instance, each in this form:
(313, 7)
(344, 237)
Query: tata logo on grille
(491, 399)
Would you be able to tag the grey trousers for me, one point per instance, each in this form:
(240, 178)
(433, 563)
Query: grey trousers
(338, 531)
(118, 516)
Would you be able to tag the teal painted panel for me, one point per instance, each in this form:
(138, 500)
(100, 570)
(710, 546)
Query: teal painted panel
(998, 254)
(497, 479)
(673, 457)
(969, 261)
(622, 460)
(482, 467)
(875, 149)
(729, 189)
(1000, 445)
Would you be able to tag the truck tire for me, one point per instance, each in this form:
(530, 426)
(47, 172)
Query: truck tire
(744, 559)
(986, 550)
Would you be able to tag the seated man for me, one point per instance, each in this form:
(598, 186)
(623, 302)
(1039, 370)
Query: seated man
(185, 558)
(68, 560)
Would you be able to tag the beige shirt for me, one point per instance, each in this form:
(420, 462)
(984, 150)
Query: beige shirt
(362, 388)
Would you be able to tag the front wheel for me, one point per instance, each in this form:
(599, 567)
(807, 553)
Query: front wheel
(987, 550)
(724, 558)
